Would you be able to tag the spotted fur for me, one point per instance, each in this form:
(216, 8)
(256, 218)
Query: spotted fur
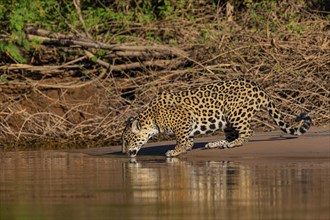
(227, 105)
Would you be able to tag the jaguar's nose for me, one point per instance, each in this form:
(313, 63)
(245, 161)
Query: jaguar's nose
(132, 153)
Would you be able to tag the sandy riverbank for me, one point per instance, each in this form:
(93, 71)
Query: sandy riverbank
(262, 146)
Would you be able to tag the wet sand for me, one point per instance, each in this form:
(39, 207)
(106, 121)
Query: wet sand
(315, 144)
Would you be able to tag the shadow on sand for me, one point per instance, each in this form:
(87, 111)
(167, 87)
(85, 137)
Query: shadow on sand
(161, 150)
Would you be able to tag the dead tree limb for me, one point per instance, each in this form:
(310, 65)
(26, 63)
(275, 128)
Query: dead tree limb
(51, 38)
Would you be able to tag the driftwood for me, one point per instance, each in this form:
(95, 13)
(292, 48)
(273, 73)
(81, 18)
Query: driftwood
(58, 39)
(118, 58)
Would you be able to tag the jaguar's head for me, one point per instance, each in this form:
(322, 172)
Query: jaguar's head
(135, 135)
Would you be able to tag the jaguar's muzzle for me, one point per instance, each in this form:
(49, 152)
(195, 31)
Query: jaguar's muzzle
(132, 153)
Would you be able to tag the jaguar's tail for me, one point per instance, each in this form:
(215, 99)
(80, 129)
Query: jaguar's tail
(278, 119)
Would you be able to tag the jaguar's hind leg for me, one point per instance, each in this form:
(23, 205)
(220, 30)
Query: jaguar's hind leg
(231, 134)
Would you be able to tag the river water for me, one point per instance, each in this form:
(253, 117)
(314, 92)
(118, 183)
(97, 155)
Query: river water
(59, 185)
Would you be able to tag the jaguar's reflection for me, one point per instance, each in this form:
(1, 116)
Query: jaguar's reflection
(183, 180)
(208, 183)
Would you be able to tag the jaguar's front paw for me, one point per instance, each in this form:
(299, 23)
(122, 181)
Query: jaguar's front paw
(173, 153)
(224, 144)
(188, 148)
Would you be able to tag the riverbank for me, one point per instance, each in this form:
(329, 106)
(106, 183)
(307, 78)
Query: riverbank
(276, 145)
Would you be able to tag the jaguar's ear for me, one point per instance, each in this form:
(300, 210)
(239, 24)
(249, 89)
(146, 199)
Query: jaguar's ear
(130, 120)
(136, 126)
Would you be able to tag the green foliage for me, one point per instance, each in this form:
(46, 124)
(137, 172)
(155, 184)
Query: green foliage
(166, 9)
(12, 50)
(150, 35)
(259, 14)
(3, 79)
(272, 16)
(14, 16)
(94, 59)
(205, 36)
(294, 28)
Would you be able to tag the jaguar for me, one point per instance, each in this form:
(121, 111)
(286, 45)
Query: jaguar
(225, 105)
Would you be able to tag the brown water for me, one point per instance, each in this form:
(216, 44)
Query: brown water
(59, 185)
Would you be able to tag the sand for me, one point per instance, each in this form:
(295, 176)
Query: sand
(314, 145)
